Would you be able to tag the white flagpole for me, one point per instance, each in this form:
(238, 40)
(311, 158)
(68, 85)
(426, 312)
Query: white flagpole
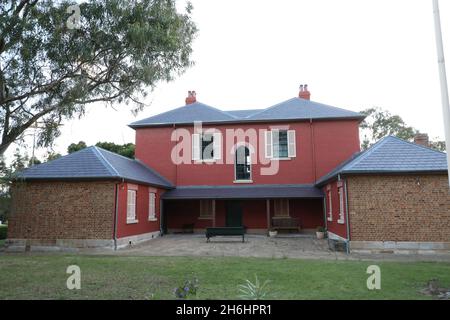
(443, 79)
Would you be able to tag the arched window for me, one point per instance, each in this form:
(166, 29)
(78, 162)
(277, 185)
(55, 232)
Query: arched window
(242, 165)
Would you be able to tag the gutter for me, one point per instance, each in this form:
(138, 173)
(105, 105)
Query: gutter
(169, 124)
(161, 216)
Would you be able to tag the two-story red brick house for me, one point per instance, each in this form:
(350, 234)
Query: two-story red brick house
(291, 165)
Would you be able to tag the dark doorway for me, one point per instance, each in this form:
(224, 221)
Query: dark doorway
(234, 214)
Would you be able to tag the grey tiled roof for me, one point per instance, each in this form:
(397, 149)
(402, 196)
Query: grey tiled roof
(297, 108)
(292, 109)
(94, 163)
(187, 114)
(392, 155)
(243, 113)
(244, 192)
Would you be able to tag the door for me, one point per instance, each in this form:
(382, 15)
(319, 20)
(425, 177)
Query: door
(234, 214)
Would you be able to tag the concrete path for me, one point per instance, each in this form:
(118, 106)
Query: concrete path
(300, 247)
(254, 246)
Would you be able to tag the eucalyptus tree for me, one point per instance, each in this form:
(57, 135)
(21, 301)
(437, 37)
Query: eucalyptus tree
(58, 57)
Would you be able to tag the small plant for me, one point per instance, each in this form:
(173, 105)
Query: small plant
(320, 233)
(189, 288)
(253, 291)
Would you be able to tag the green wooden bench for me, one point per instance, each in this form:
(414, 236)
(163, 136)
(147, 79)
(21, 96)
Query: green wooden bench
(225, 231)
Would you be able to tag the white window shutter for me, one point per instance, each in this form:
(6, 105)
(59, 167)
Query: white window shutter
(269, 145)
(195, 146)
(151, 206)
(131, 205)
(292, 148)
(217, 147)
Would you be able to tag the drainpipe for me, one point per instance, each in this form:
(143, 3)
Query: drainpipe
(347, 216)
(116, 214)
(161, 217)
(313, 149)
(325, 212)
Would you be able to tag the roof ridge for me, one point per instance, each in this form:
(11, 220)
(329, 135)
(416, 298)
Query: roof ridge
(115, 154)
(416, 145)
(296, 98)
(275, 105)
(250, 111)
(101, 157)
(217, 109)
(181, 108)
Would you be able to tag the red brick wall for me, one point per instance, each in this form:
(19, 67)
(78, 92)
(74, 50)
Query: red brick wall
(321, 146)
(399, 208)
(62, 210)
(334, 226)
(308, 211)
(142, 212)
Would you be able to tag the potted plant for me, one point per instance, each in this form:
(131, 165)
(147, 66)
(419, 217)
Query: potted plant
(273, 232)
(320, 232)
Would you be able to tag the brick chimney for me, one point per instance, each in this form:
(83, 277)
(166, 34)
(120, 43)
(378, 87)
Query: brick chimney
(422, 139)
(191, 98)
(304, 93)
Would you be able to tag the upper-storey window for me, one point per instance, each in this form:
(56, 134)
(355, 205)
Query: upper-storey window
(280, 144)
(243, 164)
(206, 146)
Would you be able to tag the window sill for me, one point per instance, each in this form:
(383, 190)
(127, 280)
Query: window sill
(207, 161)
(152, 219)
(132, 221)
(205, 218)
(341, 221)
(330, 219)
(281, 159)
(243, 181)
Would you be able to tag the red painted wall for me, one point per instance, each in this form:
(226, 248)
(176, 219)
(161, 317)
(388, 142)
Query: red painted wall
(142, 210)
(308, 211)
(321, 146)
(333, 226)
(180, 212)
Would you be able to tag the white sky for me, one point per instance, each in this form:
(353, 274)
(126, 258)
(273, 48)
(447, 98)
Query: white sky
(253, 53)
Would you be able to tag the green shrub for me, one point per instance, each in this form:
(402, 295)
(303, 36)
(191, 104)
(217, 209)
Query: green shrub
(3, 232)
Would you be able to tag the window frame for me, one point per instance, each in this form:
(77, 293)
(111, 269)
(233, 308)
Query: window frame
(277, 206)
(203, 148)
(276, 144)
(272, 149)
(198, 147)
(202, 207)
(246, 164)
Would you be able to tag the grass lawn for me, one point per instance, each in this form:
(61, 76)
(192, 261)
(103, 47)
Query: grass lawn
(117, 277)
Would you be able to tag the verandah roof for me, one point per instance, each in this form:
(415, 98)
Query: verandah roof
(290, 191)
